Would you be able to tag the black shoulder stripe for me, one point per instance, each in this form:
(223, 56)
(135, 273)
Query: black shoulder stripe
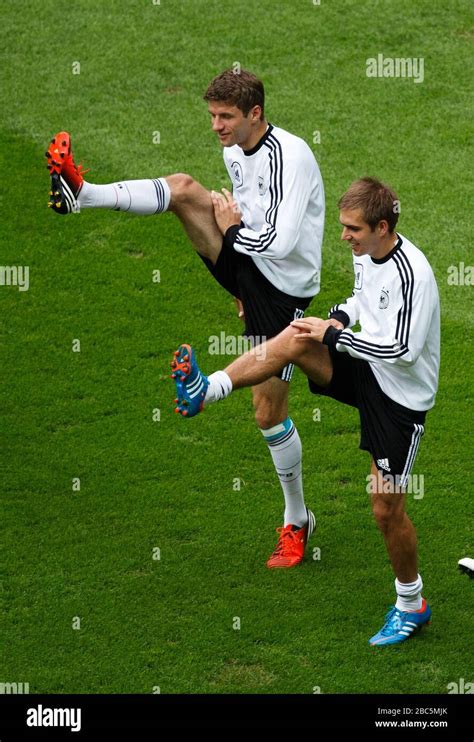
(411, 285)
(407, 279)
(401, 318)
(277, 155)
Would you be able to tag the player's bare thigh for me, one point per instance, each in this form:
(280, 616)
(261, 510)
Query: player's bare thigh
(192, 204)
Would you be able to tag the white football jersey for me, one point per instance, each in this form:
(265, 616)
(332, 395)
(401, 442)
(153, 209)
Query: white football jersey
(395, 300)
(279, 190)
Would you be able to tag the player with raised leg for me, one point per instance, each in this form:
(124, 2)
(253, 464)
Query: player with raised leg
(388, 370)
(262, 243)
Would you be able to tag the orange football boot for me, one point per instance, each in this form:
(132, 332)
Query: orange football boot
(289, 550)
(67, 178)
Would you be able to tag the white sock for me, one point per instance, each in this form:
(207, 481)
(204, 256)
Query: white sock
(409, 595)
(220, 386)
(137, 196)
(285, 447)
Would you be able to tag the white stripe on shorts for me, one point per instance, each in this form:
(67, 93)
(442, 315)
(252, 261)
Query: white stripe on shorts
(287, 372)
(412, 451)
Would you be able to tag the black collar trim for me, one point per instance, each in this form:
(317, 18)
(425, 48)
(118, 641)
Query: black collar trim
(389, 255)
(260, 143)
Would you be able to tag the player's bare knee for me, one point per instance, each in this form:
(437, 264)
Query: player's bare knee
(267, 412)
(381, 513)
(298, 347)
(181, 187)
(265, 419)
(387, 511)
(291, 348)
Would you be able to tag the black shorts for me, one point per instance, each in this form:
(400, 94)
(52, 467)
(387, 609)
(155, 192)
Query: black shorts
(389, 431)
(267, 310)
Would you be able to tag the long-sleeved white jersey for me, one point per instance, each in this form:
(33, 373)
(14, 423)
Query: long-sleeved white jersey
(395, 300)
(279, 190)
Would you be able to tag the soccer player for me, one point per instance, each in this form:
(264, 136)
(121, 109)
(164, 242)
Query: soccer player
(388, 370)
(262, 243)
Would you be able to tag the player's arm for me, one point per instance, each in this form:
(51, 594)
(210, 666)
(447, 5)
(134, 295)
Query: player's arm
(406, 333)
(339, 316)
(346, 313)
(314, 327)
(285, 203)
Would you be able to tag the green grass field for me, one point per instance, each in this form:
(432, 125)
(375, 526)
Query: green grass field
(169, 484)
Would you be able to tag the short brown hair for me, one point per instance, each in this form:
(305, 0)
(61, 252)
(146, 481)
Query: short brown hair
(241, 89)
(377, 200)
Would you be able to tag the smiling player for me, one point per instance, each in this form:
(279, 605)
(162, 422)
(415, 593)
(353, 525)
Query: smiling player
(388, 370)
(262, 243)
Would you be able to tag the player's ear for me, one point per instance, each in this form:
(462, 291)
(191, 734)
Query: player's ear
(256, 113)
(383, 228)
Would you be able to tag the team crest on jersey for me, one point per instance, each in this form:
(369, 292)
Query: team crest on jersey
(359, 275)
(262, 189)
(238, 176)
(384, 299)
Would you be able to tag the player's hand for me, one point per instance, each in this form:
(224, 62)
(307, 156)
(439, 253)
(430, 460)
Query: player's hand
(314, 327)
(226, 210)
(240, 309)
(335, 323)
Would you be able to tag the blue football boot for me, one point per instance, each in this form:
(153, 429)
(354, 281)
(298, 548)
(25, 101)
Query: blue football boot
(400, 625)
(191, 384)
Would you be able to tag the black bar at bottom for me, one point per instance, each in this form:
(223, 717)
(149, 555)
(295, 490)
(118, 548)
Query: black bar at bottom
(407, 717)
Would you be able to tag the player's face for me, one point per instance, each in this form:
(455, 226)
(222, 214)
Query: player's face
(358, 233)
(230, 124)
